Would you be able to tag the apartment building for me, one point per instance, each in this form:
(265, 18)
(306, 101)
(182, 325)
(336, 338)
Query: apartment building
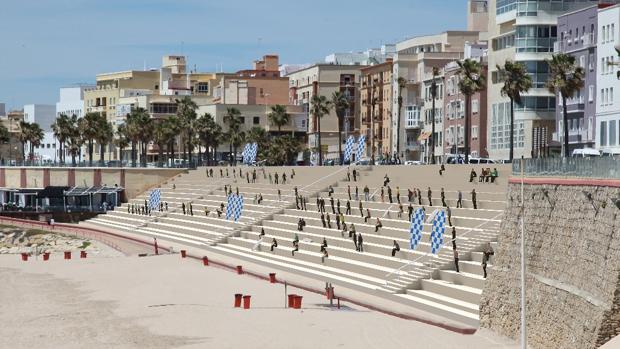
(260, 85)
(454, 117)
(324, 80)
(577, 32)
(414, 61)
(12, 150)
(524, 31)
(375, 90)
(44, 115)
(369, 57)
(607, 88)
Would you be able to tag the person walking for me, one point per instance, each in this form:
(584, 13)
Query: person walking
(183, 207)
(305, 202)
(382, 195)
(338, 205)
(349, 191)
(357, 196)
(419, 197)
(472, 175)
(279, 195)
(329, 222)
(486, 255)
(191, 209)
(338, 221)
(323, 220)
(361, 209)
(429, 193)
(360, 242)
(348, 175)
(270, 178)
(386, 180)
(275, 177)
(247, 177)
(354, 175)
(395, 248)
(389, 192)
(398, 194)
(409, 194)
(473, 199)
(348, 211)
(295, 247)
(449, 213)
(353, 235)
(283, 178)
(410, 211)
(459, 201)
(274, 244)
(400, 210)
(366, 193)
(443, 198)
(454, 238)
(323, 244)
(367, 218)
(331, 203)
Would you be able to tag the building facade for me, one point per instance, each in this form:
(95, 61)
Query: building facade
(524, 31)
(607, 119)
(324, 80)
(578, 38)
(375, 111)
(44, 115)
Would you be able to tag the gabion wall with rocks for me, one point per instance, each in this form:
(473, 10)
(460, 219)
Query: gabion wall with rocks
(572, 236)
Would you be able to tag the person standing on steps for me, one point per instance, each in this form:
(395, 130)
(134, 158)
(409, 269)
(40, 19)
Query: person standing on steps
(398, 194)
(386, 180)
(331, 202)
(486, 255)
(348, 175)
(419, 197)
(429, 193)
(283, 178)
(442, 169)
(360, 242)
(274, 244)
(389, 191)
(270, 178)
(349, 191)
(453, 238)
(459, 201)
(329, 222)
(354, 175)
(361, 209)
(410, 211)
(473, 199)
(449, 214)
(357, 196)
(409, 194)
(191, 209)
(323, 245)
(443, 198)
(395, 248)
(353, 235)
(323, 220)
(183, 207)
(348, 211)
(338, 221)
(247, 177)
(330, 191)
(366, 193)
(382, 195)
(456, 260)
(338, 205)
(275, 177)
(279, 195)
(318, 203)
(400, 210)
(221, 173)
(472, 175)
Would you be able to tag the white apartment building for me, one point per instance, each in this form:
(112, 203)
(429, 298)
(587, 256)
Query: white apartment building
(369, 57)
(71, 100)
(44, 115)
(608, 103)
(524, 31)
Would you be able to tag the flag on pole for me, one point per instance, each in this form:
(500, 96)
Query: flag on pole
(348, 148)
(361, 147)
(154, 198)
(439, 227)
(417, 225)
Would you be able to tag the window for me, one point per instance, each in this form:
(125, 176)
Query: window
(256, 120)
(242, 120)
(603, 133)
(591, 93)
(611, 95)
(582, 61)
(475, 106)
(612, 133)
(474, 132)
(612, 32)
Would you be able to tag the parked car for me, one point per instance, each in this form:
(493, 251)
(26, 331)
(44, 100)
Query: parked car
(586, 153)
(413, 162)
(481, 161)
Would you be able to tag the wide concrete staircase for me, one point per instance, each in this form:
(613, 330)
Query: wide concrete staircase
(412, 277)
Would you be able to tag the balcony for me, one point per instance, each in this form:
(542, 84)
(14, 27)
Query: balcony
(575, 44)
(413, 124)
(413, 146)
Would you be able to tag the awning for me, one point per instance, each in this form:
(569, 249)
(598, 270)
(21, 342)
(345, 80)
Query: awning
(84, 191)
(424, 136)
(52, 192)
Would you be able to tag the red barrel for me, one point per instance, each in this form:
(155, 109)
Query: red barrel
(46, 256)
(24, 257)
(297, 302)
(246, 302)
(205, 260)
(183, 253)
(239, 270)
(67, 254)
(238, 300)
(82, 254)
(272, 278)
(291, 300)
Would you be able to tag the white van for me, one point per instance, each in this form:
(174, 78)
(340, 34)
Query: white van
(586, 153)
(481, 161)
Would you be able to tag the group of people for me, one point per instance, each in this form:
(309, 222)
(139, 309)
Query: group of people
(145, 209)
(486, 175)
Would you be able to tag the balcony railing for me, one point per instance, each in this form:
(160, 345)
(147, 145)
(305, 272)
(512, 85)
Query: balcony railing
(597, 167)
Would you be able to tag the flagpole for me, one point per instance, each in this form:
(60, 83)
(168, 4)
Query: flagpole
(523, 324)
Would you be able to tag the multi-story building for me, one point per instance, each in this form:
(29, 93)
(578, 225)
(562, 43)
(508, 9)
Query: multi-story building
(260, 85)
(368, 57)
(375, 112)
(578, 37)
(44, 115)
(71, 100)
(607, 86)
(12, 150)
(524, 31)
(454, 116)
(414, 61)
(324, 80)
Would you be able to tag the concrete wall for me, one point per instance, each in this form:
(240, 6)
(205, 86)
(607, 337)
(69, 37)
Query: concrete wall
(134, 180)
(573, 264)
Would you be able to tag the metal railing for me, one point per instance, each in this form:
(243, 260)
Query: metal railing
(97, 163)
(589, 167)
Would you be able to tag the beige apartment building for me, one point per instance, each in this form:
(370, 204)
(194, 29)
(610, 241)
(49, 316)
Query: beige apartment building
(375, 90)
(324, 80)
(414, 62)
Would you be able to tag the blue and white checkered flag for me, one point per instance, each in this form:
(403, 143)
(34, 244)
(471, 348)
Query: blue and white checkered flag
(237, 207)
(348, 148)
(246, 152)
(229, 206)
(252, 151)
(361, 147)
(417, 225)
(439, 227)
(154, 199)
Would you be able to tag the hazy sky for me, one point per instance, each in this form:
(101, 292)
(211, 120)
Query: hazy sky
(46, 44)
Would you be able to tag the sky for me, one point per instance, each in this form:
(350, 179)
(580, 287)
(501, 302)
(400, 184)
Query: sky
(47, 44)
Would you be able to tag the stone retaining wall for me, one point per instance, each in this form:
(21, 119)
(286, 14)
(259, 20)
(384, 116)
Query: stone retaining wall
(573, 264)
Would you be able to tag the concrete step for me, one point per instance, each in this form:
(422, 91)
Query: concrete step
(448, 289)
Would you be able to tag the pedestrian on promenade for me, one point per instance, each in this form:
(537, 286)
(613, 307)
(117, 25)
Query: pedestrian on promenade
(395, 248)
(473, 199)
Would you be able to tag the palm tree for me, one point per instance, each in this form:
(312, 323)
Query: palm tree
(472, 80)
(121, 140)
(341, 105)
(516, 81)
(319, 107)
(233, 120)
(88, 130)
(105, 135)
(23, 136)
(174, 126)
(162, 136)
(565, 78)
(134, 121)
(61, 128)
(282, 150)
(433, 110)
(35, 136)
(186, 112)
(402, 83)
(259, 136)
(279, 117)
(373, 102)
